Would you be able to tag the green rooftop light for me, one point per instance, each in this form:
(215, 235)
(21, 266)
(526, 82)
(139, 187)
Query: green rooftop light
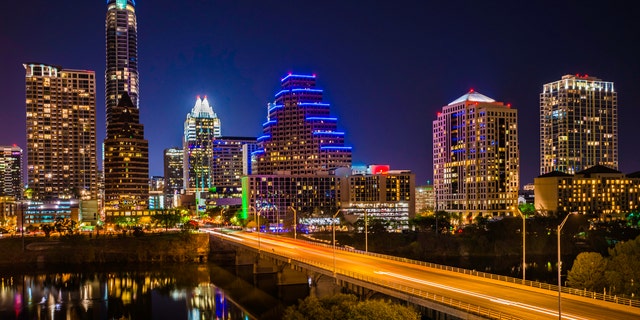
(121, 4)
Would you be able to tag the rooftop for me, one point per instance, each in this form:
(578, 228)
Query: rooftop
(472, 96)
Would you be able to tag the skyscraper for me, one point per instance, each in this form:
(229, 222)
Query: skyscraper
(231, 160)
(61, 132)
(121, 74)
(11, 171)
(126, 158)
(200, 128)
(173, 176)
(578, 124)
(475, 157)
(300, 136)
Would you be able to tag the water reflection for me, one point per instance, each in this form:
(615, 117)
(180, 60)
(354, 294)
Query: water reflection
(184, 292)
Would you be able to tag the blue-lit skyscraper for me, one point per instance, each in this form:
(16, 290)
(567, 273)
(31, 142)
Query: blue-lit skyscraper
(300, 136)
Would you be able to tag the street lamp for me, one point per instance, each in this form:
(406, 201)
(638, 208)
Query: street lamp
(256, 217)
(366, 232)
(295, 222)
(333, 228)
(524, 242)
(560, 265)
(221, 215)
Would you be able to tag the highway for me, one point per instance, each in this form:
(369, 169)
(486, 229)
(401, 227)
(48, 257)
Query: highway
(507, 298)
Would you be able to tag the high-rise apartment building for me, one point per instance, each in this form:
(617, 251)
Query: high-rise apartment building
(11, 172)
(126, 159)
(121, 74)
(231, 160)
(476, 157)
(578, 124)
(173, 176)
(126, 152)
(300, 136)
(61, 132)
(200, 128)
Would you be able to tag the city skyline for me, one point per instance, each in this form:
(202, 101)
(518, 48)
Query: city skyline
(414, 58)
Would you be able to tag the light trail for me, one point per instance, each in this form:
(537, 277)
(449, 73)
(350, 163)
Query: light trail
(483, 296)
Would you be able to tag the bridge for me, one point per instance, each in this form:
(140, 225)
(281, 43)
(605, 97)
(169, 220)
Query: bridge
(459, 293)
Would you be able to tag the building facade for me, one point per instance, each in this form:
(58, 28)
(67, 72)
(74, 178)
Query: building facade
(425, 198)
(274, 196)
(578, 124)
(200, 128)
(476, 157)
(126, 159)
(231, 161)
(126, 156)
(300, 137)
(173, 175)
(314, 199)
(61, 132)
(387, 195)
(156, 193)
(121, 74)
(11, 172)
(598, 191)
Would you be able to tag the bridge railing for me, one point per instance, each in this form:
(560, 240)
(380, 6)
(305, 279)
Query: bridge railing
(535, 284)
(454, 303)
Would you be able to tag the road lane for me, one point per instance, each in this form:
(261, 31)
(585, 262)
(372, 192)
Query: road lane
(517, 300)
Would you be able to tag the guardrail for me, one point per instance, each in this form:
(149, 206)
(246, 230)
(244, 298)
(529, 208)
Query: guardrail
(535, 284)
(454, 303)
(347, 274)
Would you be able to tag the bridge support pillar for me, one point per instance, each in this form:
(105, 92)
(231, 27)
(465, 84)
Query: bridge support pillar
(324, 286)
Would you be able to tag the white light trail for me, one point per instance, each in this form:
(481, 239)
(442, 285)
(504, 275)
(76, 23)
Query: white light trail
(483, 296)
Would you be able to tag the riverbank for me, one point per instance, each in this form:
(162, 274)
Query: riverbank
(104, 249)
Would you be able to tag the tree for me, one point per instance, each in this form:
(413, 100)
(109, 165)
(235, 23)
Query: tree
(588, 272)
(624, 270)
(527, 208)
(63, 225)
(166, 219)
(378, 309)
(47, 228)
(347, 306)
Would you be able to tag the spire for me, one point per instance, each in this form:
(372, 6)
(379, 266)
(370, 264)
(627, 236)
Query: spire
(202, 109)
(205, 104)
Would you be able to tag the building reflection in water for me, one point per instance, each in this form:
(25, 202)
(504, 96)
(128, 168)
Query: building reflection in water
(184, 293)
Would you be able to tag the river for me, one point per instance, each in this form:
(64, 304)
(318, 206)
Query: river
(202, 291)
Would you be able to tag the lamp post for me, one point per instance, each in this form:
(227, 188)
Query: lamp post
(524, 233)
(366, 232)
(221, 215)
(256, 217)
(560, 266)
(295, 222)
(333, 228)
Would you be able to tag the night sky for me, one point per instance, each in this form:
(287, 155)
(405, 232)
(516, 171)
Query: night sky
(387, 67)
